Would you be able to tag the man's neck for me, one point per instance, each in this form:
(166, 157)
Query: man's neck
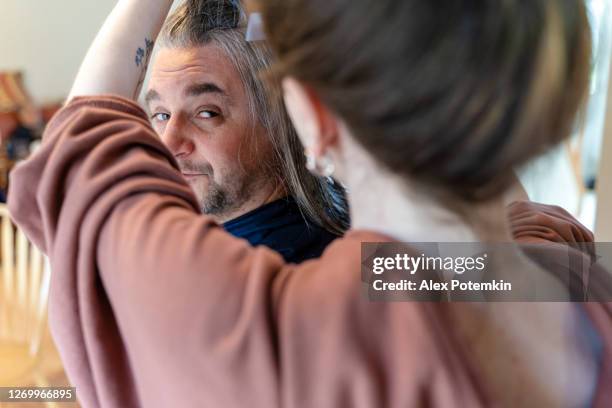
(259, 199)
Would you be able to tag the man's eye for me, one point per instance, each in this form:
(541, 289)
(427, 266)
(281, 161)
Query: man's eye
(207, 114)
(160, 117)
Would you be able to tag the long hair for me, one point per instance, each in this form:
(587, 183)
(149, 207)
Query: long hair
(453, 93)
(222, 23)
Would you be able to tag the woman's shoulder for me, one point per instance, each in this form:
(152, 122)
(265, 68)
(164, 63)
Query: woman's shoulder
(327, 314)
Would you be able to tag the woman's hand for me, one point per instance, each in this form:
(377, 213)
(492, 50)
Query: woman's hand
(116, 62)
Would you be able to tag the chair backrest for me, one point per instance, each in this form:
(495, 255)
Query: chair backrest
(13, 94)
(24, 287)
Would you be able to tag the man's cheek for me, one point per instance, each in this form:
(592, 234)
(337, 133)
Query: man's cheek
(199, 185)
(222, 175)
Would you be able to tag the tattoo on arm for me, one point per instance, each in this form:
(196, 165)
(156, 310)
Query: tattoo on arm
(143, 54)
(142, 61)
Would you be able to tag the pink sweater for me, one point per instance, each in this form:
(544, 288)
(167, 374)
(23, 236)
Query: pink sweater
(154, 305)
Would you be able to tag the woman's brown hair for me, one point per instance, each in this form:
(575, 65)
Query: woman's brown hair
(455, 92)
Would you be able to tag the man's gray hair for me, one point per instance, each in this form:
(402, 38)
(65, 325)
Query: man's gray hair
(222, 23)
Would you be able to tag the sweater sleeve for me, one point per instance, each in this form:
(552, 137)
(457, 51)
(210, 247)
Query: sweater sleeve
(533, 222)
(141, 281)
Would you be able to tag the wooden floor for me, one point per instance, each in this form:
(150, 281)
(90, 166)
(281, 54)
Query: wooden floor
(46, 371)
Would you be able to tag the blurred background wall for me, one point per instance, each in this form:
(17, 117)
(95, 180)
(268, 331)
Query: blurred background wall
(47, 39)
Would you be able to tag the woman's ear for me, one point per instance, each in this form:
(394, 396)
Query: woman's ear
(316, 125)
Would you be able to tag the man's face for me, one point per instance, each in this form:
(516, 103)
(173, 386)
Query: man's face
(198, 106)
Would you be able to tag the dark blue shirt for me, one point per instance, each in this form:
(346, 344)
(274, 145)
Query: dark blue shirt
(280, 225)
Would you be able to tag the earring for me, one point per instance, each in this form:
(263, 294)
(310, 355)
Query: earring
(321, 166)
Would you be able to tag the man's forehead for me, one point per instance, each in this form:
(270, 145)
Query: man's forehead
(206, 69)
(206, 59)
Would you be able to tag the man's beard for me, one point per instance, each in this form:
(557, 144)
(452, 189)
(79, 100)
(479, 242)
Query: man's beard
(220, 200)
(227, 196)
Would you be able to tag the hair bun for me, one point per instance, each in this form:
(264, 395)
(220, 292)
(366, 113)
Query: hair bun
(222, 14)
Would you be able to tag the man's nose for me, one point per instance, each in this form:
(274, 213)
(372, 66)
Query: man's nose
(175, 137)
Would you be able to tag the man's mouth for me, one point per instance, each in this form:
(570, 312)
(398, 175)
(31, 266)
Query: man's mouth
(189, 176)
(191, 170)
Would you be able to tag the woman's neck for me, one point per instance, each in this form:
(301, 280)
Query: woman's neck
(384, 202)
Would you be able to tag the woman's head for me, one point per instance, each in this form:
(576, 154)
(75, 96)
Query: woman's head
(454, 93)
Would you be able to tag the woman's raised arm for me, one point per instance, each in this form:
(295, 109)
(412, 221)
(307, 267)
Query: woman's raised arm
(117, 59)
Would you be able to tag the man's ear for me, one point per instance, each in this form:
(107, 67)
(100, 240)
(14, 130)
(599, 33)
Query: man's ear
(316, 125)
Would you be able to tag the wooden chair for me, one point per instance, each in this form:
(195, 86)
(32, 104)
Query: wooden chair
(24, 289)
(13, 94)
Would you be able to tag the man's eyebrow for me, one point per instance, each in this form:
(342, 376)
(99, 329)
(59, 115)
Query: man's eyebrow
(202, 88)
(152, 95)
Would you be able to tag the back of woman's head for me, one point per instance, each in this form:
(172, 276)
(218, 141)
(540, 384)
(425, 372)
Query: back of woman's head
(453, 92)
